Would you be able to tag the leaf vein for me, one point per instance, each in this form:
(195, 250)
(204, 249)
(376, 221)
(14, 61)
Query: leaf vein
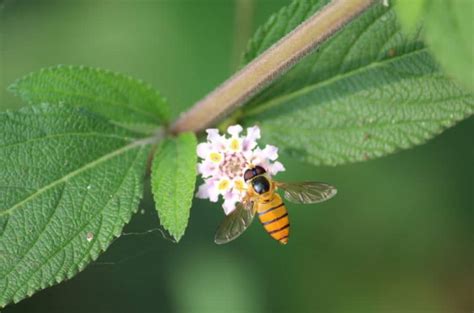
(87, 166)
(60, 248)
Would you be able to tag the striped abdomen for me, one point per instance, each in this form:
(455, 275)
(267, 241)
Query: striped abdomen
(274, 217)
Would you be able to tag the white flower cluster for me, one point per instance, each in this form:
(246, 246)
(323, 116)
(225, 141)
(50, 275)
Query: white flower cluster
(226, 159)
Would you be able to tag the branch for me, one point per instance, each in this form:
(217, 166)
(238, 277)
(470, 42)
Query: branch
(270, 65)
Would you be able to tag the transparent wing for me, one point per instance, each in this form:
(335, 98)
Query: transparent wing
(307, 192)
(235, 223)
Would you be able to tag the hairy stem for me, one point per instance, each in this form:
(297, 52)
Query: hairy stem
(270, 65)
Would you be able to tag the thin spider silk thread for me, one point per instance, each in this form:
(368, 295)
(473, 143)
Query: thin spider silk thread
(164, 235)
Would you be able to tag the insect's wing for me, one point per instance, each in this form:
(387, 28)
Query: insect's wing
(307, 192)
(235, 223)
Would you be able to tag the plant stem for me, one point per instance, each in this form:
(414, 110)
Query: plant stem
(270, 65)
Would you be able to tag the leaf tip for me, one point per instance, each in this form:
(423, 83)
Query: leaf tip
(177, 236)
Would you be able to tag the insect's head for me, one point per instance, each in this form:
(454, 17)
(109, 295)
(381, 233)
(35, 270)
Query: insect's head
(252, 172)
(259, 182)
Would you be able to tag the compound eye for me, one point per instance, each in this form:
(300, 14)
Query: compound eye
(248, 175)
(260, 170)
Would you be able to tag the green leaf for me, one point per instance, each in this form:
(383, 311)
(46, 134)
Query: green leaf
(120, 98)
(173, 179)
(449, 32)
(410, 12)
(69, 181)
(280, 24)
(367, 92)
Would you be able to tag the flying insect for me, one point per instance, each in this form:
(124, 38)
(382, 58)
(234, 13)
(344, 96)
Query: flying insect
(263, 200)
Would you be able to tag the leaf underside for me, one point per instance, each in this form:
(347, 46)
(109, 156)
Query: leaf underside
(120, 98)
(369, 91)
(69, 183)
(173, 181)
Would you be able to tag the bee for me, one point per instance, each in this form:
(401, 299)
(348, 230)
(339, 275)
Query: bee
(263, 200)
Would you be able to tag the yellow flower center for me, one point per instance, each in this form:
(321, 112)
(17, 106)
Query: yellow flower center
(223, 184)
(215, 157)
(239, 185)
(234, 145)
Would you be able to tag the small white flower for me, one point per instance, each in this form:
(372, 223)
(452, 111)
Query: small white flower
(226, 158)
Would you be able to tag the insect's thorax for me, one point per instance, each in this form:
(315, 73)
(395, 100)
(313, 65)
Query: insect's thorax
(261, 186)
(268, 200)
(267, 197)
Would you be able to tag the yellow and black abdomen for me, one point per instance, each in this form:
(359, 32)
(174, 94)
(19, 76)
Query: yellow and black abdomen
(274, 217)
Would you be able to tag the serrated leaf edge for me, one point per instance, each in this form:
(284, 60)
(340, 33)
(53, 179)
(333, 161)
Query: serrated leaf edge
(164, 114)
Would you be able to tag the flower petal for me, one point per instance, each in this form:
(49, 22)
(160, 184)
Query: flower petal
(207, 169)
(212, 133)
(234, 130)
(229, 206)
(208, 190)
(276, 167)
(270, 152)
(230, 199)
(250, 141)
(203, 191)
(253, 133)
(217, 142)
(213, 194)
(255, 157)
(203, 150)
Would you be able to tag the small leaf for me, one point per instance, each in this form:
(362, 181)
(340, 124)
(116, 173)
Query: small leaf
(449, 32)
(120, 98)
(173, 180)
(367, 92)
(69, 181)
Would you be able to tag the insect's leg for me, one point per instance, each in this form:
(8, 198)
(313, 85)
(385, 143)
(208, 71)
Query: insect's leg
(274, 185)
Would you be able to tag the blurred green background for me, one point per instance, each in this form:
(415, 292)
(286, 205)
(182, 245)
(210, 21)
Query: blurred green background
(398, 237)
